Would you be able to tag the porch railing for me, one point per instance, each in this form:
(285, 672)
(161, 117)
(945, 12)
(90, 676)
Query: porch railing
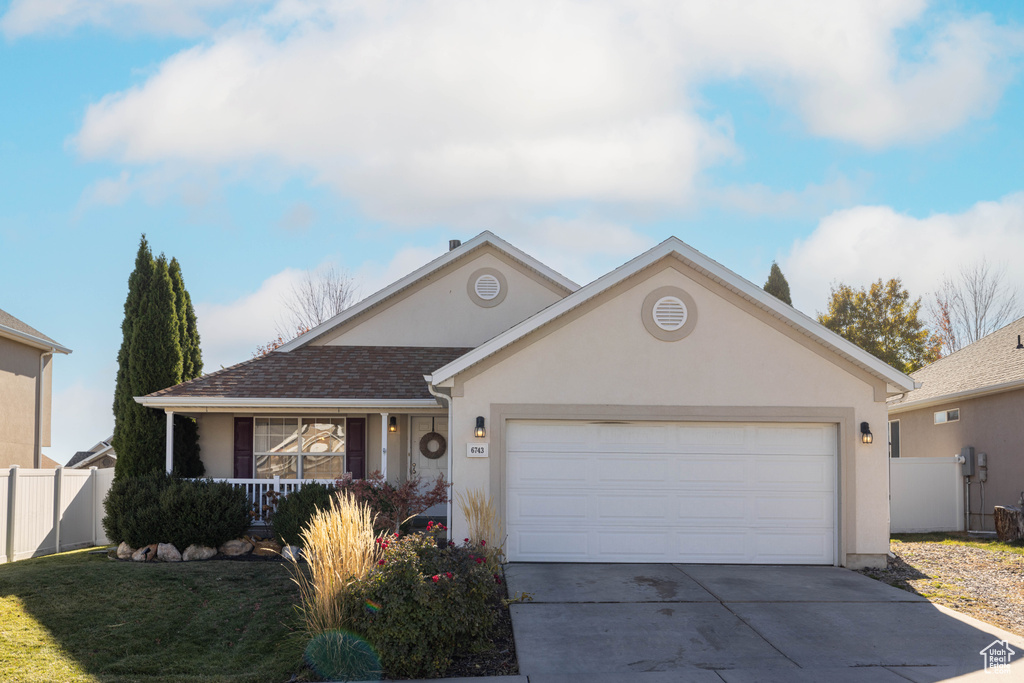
(264, 493)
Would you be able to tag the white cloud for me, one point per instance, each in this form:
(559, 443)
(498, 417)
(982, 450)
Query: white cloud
(231, 332)
(860, 245)
(373, 276)
(297, 218)
(421, 110)
(813, 200)
(163, 17)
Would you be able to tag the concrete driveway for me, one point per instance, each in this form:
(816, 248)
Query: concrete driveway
(604, 623)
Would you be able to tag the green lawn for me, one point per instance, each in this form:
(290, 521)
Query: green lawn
(959, 538)
(82, 617)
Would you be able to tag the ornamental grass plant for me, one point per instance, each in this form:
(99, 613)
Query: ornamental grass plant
(340, 548)
(485, 530)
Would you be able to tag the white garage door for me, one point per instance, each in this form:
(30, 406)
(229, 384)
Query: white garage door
(758, 493)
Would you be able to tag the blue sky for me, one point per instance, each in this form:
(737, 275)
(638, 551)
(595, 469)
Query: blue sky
(256, 141)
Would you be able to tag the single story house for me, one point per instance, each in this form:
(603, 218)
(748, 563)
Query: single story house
(26, 390)
(971, 398)
(101, 456)
(668, 411)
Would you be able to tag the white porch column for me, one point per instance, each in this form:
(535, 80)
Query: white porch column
(170, 441)
(384, 445)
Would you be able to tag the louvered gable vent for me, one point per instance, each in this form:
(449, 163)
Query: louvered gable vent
(487, 287)
(669, 313)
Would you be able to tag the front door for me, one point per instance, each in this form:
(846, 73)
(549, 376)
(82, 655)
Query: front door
(429, 450)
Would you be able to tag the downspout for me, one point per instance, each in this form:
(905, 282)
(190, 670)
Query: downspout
(451, 435)
(37, 456)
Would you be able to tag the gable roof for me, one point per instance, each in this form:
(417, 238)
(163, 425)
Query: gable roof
(82, 458)
(990, 365)
(315, 376)
(673, 246)
(483, 239)
(12, 328)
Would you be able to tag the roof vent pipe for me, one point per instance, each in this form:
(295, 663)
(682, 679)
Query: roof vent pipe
(454, 244)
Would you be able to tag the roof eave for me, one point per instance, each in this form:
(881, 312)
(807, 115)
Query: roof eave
(956, 396)
(709, 267)
(194, 402)
(32, 340)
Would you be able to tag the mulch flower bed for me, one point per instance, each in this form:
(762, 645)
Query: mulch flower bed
(985, 584)
(500, 660)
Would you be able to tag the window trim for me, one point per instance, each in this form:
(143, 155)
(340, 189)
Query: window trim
(946, 419)
(299, 452)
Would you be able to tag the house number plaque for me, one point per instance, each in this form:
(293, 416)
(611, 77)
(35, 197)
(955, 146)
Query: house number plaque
(476, 450)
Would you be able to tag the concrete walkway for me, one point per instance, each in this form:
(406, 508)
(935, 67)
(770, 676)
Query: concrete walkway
(605, 623)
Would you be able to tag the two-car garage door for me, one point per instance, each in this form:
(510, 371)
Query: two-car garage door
(671, 492)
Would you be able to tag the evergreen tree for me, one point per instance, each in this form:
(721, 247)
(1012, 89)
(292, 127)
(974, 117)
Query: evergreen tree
(777, 285)
(129, 415)
(159, 340)
(187, 462)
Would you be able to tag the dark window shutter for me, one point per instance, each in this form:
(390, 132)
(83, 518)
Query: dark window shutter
(243, 448)
(355, 447)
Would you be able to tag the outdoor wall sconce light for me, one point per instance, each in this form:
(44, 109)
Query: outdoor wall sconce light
(480, 432)
(392, 424)
(865, 433)
(1019, 345)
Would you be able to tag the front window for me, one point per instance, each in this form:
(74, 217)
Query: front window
(944, 416)
(293, 448)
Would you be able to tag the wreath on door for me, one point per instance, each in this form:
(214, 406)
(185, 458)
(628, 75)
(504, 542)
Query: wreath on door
(433, 445)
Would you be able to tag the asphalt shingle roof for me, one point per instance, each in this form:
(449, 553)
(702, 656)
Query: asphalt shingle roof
(330, 372)
(988, 362)
(78, 457)
(8, 320)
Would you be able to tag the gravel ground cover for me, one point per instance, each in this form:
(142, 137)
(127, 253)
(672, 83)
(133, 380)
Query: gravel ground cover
(982, 583)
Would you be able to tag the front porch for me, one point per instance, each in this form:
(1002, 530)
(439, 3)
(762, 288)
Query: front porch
(272, 453)
(263, 494)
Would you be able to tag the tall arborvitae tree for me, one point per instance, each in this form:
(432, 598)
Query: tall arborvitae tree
(129, 415)
(777, 285)
(150, 359)
(187, 462)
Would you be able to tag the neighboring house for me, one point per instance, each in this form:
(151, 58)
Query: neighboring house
(26, 360)
(100, 456)
(975, 398)
(668, 411)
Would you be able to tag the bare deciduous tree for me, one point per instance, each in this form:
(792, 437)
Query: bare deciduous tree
(972, 305)
(318, 297)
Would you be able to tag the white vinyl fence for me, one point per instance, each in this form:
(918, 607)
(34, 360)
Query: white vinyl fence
(48, 511)
(925, 494)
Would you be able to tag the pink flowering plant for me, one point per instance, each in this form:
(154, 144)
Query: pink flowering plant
(430, 601)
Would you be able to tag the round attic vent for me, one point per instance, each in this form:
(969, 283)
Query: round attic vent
(487, 287)
(669, 314)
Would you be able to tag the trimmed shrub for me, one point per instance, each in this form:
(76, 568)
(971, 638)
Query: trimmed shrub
(296, 509)
(422, 604)
(159, 508)
(133, 512)
(203, 512)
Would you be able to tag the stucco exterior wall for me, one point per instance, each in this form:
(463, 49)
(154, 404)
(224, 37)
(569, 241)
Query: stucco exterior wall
(737, 364)
(440, 312)
(19, 373)
(992, 424)
(217, 444)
